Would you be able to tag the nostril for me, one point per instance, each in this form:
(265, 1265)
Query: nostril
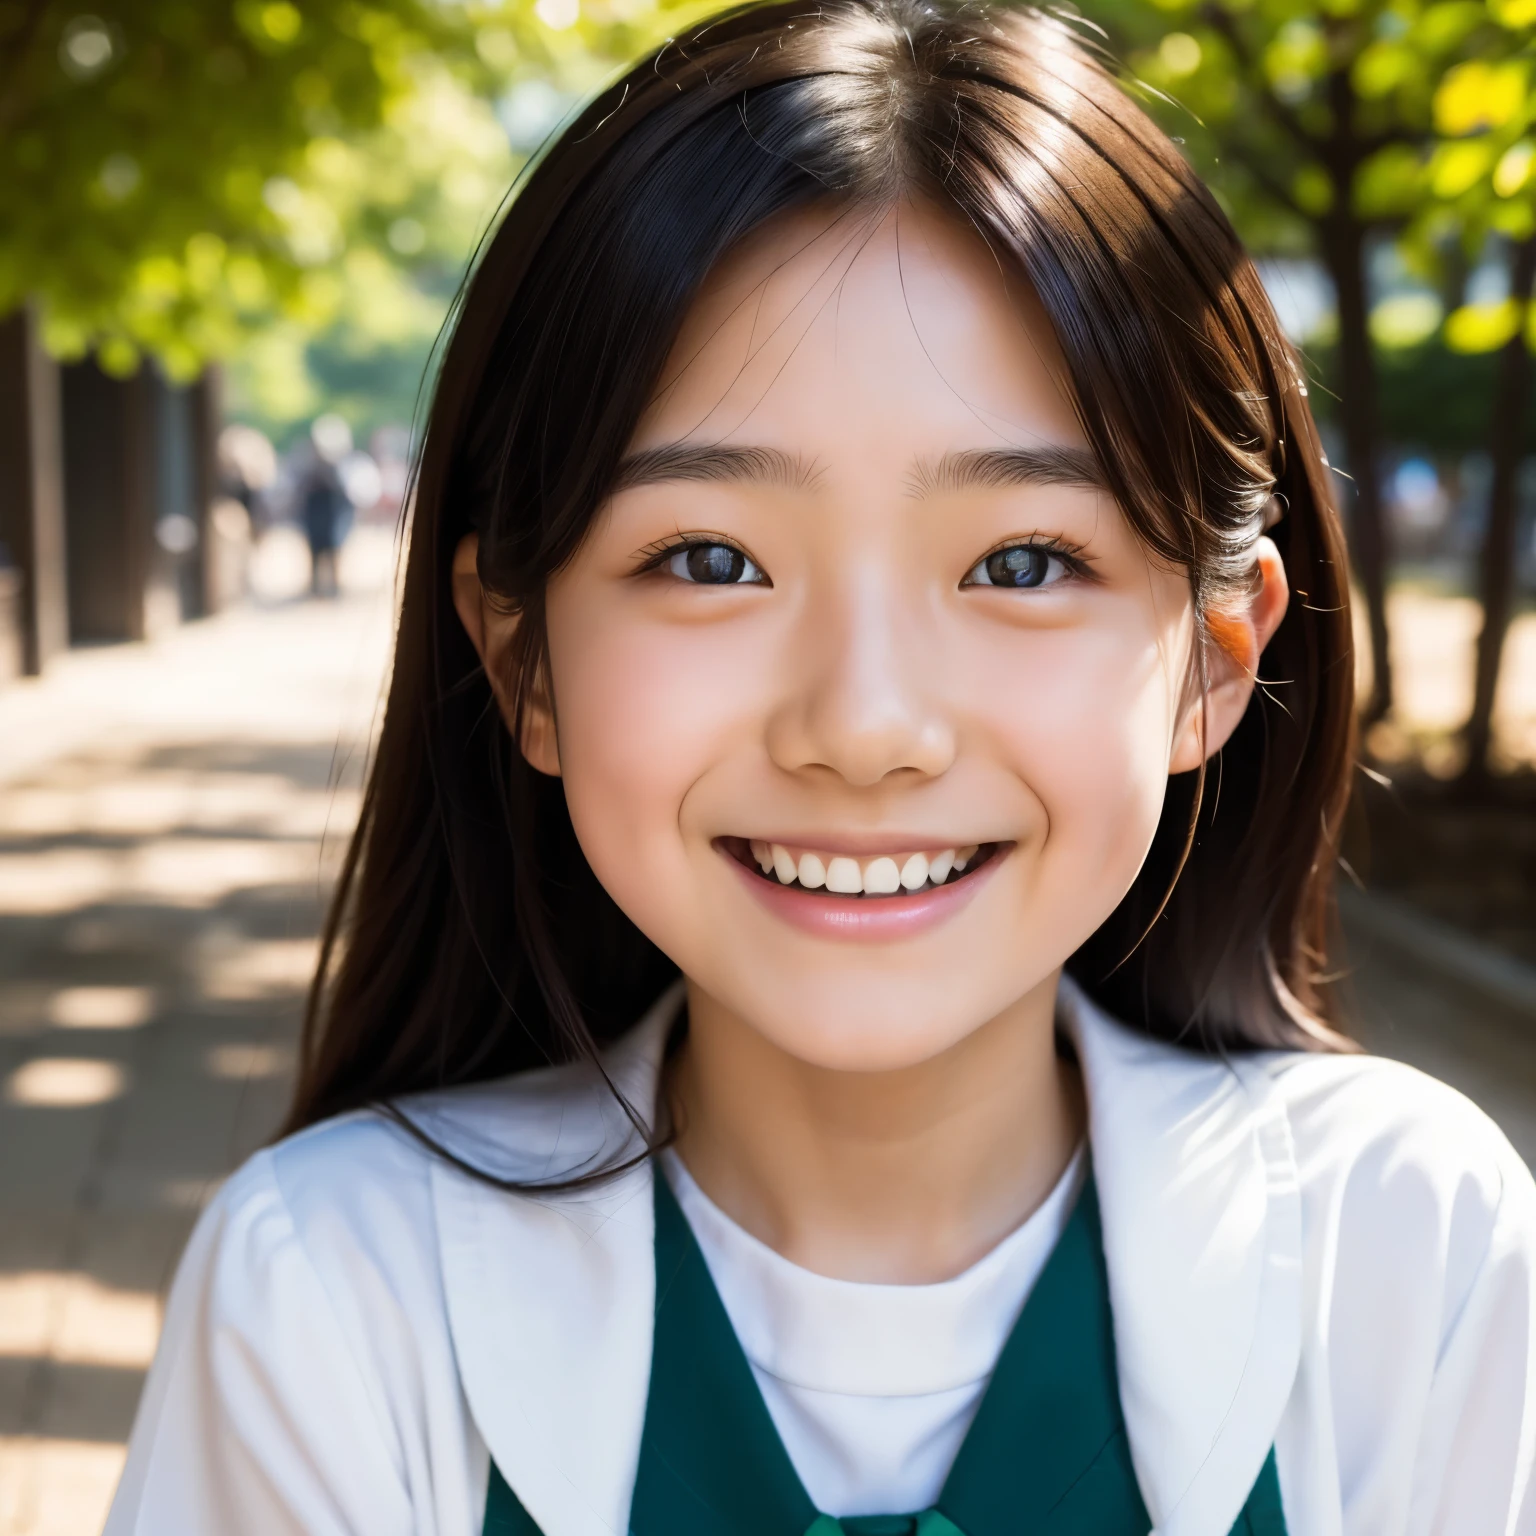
(861, 740)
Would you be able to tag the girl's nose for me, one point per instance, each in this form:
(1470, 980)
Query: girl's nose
(859, 702)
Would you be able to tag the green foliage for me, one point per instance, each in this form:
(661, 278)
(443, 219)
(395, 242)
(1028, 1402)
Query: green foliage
(154, 158)
(1482, 177)
(1299, 111)
(1431, 398)
(393, 214)
(299, 185)
(415, 195)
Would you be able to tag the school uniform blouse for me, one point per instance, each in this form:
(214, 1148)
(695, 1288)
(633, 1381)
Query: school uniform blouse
(1327, 1259)
(871, 1388)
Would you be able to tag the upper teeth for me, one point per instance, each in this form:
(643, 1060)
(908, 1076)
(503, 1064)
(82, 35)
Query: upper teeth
(882, 875)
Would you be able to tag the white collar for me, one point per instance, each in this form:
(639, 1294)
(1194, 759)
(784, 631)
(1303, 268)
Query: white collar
(551, 1299)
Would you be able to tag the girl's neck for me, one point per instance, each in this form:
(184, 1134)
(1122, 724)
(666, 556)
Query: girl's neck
(905, 1177)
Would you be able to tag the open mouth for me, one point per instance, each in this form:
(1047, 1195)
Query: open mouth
(874, 876)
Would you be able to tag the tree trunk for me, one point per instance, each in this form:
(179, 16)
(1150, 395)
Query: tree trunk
(32, 486)
(1343, 245)
(1497, 572)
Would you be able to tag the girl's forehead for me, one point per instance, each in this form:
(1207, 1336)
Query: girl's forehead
(836, 325)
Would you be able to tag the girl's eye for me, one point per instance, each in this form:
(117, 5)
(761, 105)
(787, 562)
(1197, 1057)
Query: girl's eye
(1018, 565)
(714, 565)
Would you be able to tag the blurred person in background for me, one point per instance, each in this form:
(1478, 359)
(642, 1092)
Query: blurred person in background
(247, 475)
(324, 505)
(247, 471)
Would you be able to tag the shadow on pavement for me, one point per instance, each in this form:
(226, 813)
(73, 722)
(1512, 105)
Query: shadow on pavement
(158, 918)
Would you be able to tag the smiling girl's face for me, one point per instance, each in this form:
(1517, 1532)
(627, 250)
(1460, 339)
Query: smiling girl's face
(865, 692)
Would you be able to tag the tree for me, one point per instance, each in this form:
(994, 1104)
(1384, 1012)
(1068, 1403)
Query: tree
(146, 149)
(1482, 179)
(1497, 566)
(407, 201)
(392, 216)
(184, 178)
(1316, 123)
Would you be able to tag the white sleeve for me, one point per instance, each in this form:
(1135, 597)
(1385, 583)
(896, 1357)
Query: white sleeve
(257, 1419)
(1473, 1474)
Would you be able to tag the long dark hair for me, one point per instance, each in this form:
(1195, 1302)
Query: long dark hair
(468, 937)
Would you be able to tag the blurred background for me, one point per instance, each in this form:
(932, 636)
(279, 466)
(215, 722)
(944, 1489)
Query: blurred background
(232, 232)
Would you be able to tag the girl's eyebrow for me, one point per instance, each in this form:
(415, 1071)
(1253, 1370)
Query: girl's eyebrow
(716, 461)
(957, 471)
(991, 467)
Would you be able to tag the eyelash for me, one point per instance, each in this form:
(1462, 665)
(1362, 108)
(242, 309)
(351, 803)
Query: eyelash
(655, 557)
(1070, 555)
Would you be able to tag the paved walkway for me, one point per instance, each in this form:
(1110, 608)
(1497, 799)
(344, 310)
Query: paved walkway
(168, 817)
(1476, 1037)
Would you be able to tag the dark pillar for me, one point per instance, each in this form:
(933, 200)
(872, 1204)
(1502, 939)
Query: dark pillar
(140, 475)
(32, 487)
(110, 454)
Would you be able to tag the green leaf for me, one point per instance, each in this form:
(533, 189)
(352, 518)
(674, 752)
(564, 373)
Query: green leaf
(1312, 190)
(1478, 95)
(1514, 13)
(1389, 184)
(1515, 221)
(1459, 166)
(1383, 66)
(1180, 54)
(1406, 320)
(1440, 28)
(1483, 327)
(1514, 168)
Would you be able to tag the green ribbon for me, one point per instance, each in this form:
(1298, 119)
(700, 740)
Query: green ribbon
(929, 1523)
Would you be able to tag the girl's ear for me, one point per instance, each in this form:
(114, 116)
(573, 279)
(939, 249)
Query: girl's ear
(1235, 638)
(490, 631)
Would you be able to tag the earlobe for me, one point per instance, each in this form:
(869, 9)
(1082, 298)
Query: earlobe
(468, 594)
(1234, 639)
(540, 745)
(490, 631)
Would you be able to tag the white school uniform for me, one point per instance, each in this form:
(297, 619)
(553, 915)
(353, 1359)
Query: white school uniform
(1331, 1256)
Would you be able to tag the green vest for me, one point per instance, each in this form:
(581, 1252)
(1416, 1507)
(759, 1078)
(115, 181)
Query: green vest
(1046, 1455)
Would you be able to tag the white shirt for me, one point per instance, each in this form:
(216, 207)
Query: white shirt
(1333, 1257)
(871, 1387)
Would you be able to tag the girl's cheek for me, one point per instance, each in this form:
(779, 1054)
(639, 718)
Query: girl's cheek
(645, 713)
(1089, 737)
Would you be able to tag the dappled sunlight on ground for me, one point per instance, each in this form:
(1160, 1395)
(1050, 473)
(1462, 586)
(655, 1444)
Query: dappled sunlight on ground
(170, 817)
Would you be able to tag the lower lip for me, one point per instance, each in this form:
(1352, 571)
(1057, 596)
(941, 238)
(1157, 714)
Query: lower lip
(867, 919)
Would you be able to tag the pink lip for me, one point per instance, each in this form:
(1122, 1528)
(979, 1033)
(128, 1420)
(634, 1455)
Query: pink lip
(881, 920)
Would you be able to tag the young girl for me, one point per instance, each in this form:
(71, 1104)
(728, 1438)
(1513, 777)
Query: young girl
(876, 617)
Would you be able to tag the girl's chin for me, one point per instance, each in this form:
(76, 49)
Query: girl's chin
(865, 919)
(877, 1030)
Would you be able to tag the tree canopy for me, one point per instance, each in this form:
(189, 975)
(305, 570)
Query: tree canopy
(1328, 127)
(186, 180)
(154, 156)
